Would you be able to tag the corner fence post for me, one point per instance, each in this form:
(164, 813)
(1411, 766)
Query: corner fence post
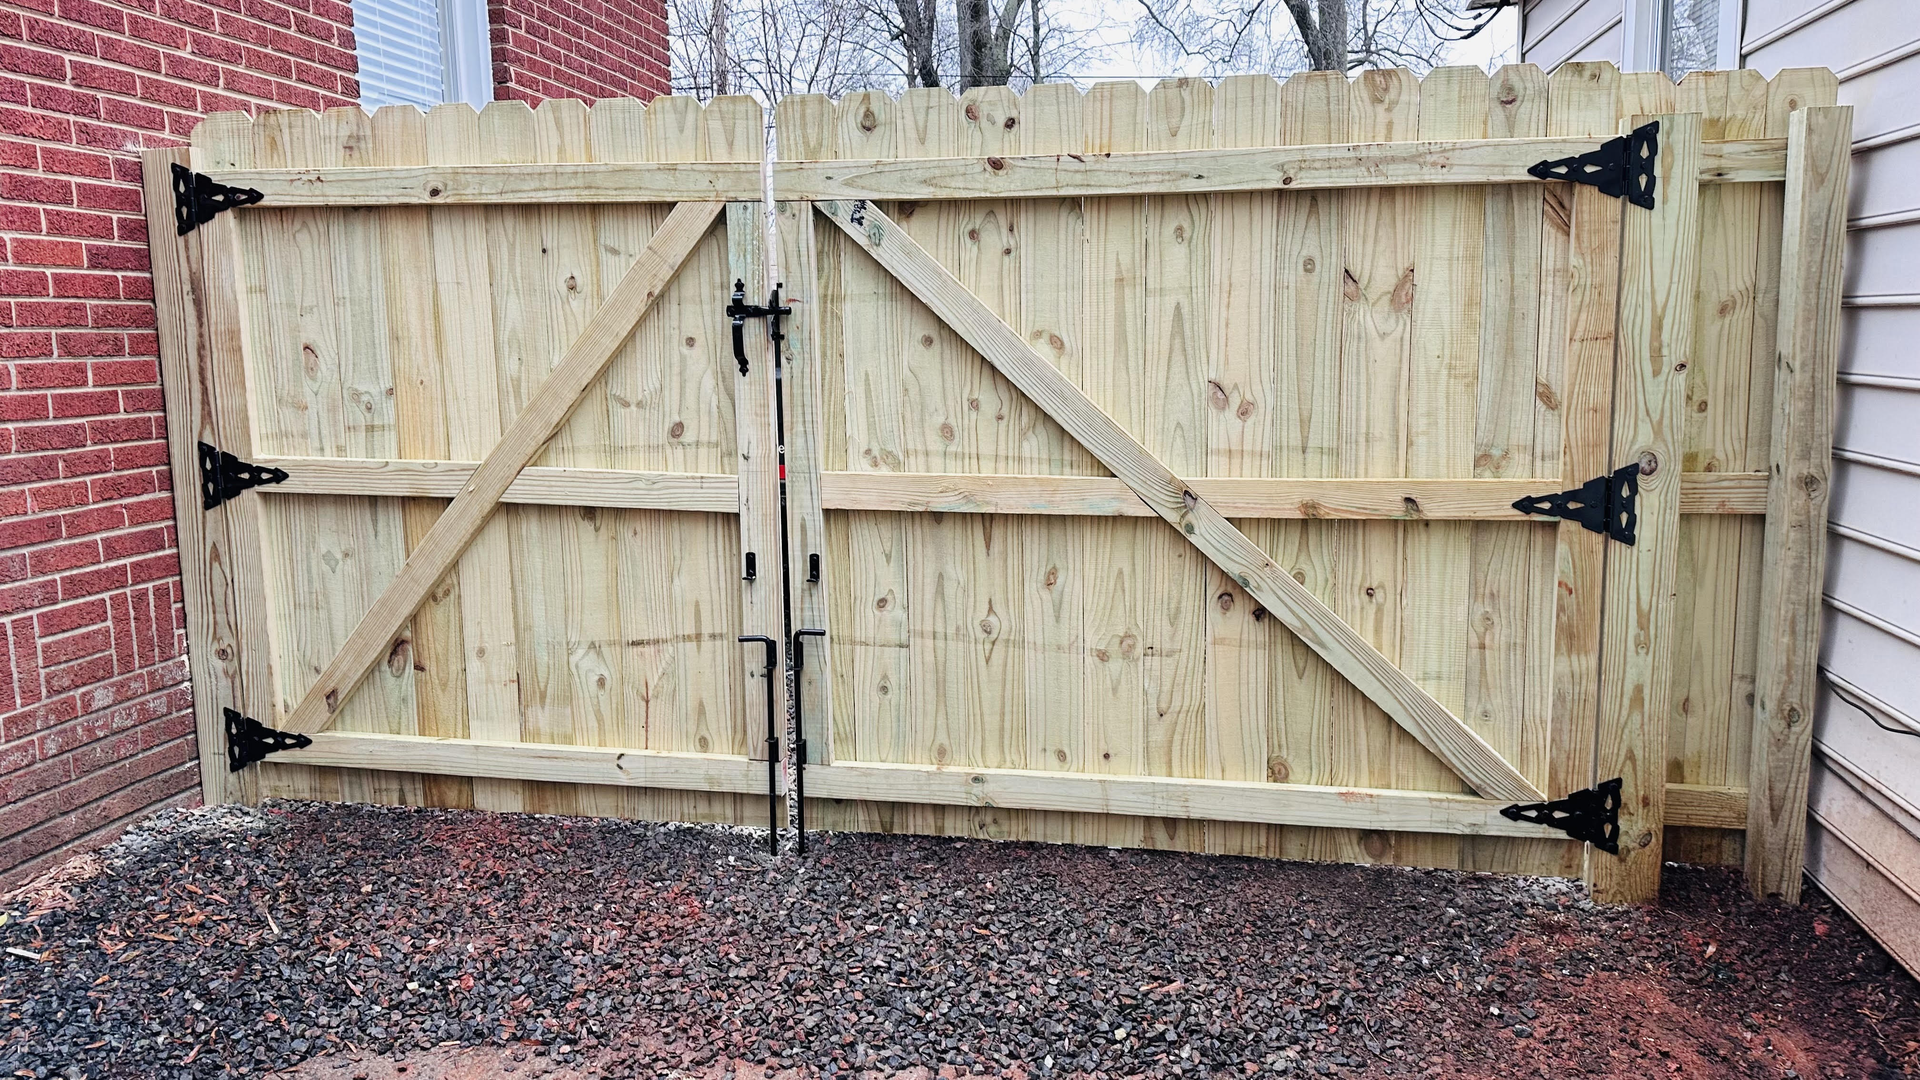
(1812, 246)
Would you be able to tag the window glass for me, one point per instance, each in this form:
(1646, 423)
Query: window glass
(399, 46)
(1691, 38)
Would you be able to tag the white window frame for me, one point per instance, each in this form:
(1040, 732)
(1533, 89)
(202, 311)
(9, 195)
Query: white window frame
(1644, 31)
(466, 52)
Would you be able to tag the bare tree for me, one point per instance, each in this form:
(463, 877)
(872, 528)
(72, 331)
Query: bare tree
(772, 48)
(1325, 35)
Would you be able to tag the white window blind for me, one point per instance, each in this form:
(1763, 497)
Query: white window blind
(400, 58)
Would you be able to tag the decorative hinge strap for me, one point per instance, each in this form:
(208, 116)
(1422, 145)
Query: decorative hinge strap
(740, 311)
(1604, 504)
(249, 740)
(222, 476)
(1621, 168)
(197, 197)
(1592, 815)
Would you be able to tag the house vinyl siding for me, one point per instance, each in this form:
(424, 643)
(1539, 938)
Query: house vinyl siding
(1558, 31)
(1863, 845)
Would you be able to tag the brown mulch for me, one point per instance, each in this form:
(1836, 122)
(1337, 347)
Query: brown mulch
(346, 942)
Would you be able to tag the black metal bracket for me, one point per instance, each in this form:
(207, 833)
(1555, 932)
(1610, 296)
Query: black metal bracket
(197, 197)
(223, 476)
(799, 662)
(1604, 504)
(249, 740)
(813, 568)
(740, 311)
(773, 743)
(1621, 168)
(1592, 814)
(751, 570)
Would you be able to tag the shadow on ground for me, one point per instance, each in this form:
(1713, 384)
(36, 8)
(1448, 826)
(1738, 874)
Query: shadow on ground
(344, 942)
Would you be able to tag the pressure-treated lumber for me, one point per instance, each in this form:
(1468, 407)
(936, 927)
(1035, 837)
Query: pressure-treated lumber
(1658, 271)
(1091, 496)
(199, 320)
(1707, 807)
(501, 185)
(1289, 168)
(441, 547)
(538, 485)
(1173, 499)
(550, 762)
(1813, 244)
(1167, 797)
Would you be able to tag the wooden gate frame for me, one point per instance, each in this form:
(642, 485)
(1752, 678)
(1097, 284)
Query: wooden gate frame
(205, 380)
(1657, 278)
(201, 347)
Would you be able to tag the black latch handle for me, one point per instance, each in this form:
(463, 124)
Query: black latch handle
(740, 311)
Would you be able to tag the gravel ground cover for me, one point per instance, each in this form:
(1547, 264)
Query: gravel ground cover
(349, 942)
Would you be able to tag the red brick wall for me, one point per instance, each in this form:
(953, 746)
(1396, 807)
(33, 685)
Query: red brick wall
(95, 716)
(588, 49)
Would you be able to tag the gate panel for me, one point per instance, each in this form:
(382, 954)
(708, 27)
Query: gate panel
(1137, 657)
(389, 347)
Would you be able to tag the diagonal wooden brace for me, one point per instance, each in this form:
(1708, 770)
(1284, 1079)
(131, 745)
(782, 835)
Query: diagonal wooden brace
(1450, 739)
(440, 549)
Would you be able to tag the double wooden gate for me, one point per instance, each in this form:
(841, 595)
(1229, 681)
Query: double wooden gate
(1150, 465)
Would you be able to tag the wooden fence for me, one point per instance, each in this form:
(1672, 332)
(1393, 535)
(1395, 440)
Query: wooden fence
(1329, 331)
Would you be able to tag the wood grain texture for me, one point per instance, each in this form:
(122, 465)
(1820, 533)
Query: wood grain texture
(1658, 271)
(570, 183)
(197, 318)
(611, 766)
(523, 439)
(1198, 170)
(1174, 501)
(1812, 249)
(1169, 797)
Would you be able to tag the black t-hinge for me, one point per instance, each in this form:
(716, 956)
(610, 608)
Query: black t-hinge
(1604, 504)
(197, 197)
(223, 476)
(1621, 168)
(249, 740)
(1592, 814)
(740, 311)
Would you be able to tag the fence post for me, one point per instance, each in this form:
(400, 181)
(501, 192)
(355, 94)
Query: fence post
(1812, 246)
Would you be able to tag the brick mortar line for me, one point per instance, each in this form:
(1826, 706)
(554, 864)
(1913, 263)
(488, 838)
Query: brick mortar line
(191, 28)
(92, 840)
(187, 768)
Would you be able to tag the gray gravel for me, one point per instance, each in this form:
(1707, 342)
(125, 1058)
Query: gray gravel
(231, 942)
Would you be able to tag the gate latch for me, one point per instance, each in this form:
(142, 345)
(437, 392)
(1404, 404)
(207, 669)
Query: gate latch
(249, 740)
(1604, 504)
(1591, 814)
(1621, 168)
(740, 311)
(223, 476)
(197, 197)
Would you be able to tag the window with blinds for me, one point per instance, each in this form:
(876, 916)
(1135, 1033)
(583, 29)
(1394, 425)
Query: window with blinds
(399, 46)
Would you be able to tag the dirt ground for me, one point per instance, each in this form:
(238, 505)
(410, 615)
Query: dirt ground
(360, 943)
